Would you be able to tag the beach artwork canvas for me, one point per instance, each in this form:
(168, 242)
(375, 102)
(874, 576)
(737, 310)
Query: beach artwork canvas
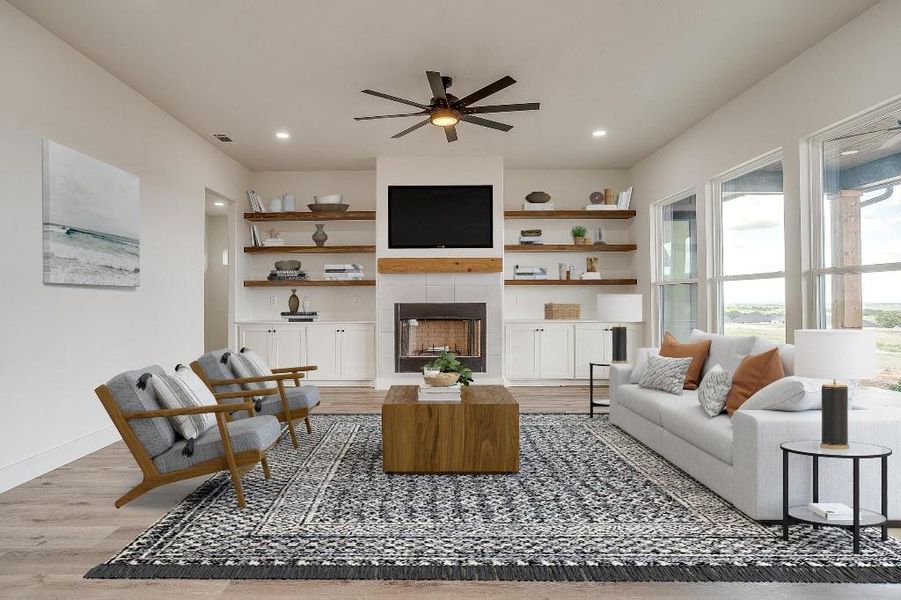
(91, 220)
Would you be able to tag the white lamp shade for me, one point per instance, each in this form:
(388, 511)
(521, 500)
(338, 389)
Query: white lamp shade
(620, 308)
(843, 354)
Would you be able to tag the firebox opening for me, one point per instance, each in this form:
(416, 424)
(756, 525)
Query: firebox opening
(424, 330)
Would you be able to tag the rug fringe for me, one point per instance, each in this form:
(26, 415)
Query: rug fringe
(830, 574)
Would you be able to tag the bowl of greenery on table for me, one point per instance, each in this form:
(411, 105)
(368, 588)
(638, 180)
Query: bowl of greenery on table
(446, 370)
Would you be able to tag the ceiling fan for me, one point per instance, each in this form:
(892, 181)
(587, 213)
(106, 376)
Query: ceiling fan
(446, 110)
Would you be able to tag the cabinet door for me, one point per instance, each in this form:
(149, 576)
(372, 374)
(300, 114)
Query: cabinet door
(556, 351)
(259, 339)
(521, 349)
(357, 351)
(288, 346)
(322, 351)
(593, 344)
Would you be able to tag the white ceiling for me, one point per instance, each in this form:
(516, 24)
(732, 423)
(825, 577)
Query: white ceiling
(645, 70)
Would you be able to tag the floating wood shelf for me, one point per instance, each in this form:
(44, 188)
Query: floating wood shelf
(440, 265)
(570, 248)
(348, 215)
(309, 283)
(571, 282)
(569, 214)
(308, 249)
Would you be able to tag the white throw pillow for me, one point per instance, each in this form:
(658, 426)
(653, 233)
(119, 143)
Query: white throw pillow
(665, 374)
(726, 351)
(183, 389)
(788, 394)
(713, 390)
(641, 363)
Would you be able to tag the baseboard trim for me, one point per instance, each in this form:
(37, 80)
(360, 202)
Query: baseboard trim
(28, 468)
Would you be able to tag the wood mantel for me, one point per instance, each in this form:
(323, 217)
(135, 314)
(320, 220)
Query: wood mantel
(441, 265)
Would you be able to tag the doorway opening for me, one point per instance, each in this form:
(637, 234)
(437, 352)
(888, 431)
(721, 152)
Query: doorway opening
(216, 272)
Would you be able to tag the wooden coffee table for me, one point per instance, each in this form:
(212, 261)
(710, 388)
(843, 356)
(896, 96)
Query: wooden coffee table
(478, 435)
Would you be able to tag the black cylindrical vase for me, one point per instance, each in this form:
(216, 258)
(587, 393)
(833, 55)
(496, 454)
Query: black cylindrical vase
(619, 344)
(834, 432)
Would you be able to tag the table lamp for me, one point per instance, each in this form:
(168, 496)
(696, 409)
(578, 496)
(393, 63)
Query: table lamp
(620, 308)
(836, 354)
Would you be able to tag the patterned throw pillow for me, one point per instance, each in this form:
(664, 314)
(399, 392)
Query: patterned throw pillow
(248, 363)
(665, 374)
(184, 389)
(713, 390)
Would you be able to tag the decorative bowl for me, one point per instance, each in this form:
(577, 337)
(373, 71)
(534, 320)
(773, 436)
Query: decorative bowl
(442, 379)
(329, 199)
(328, 207)
(287, 265)
(538, 197)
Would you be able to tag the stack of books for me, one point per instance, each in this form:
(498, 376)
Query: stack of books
(832, 511)
(623, 200)
(286, 274)
(347, 272)
(430, 393)
(531, 236)
(537, 207)
(301, 317)
(255, 201)
(590, 275)
(520, 272)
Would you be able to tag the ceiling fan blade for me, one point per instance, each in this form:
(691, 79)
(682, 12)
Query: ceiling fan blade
(436, 84)
(486, 122)
(395, 98)
(409, 129)
(416, 114)
(496, 108)
(451, 132)
(491, 88)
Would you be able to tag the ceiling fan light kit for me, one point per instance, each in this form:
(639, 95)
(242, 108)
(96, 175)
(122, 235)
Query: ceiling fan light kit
(446, 110)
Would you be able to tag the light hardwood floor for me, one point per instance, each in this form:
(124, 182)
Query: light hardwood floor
(55, 528)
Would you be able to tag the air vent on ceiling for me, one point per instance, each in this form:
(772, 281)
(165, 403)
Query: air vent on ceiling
(222, 137)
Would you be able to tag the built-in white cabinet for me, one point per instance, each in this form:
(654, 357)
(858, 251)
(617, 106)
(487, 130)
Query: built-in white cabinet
(536, 350)
(341, 351)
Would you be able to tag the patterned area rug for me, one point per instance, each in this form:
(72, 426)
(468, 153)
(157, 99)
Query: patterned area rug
(589, 504)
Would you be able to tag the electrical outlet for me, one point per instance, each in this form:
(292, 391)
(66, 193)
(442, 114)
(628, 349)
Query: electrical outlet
(356, 299)
(272, 301)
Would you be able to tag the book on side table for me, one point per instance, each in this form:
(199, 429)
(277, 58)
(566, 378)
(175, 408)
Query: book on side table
(431, 393)
(832, 510)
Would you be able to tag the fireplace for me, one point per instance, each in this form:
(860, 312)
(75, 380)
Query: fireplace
(423, 330)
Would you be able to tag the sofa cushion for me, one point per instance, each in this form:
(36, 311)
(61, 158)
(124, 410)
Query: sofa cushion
(725, 350)
(786, 353)
(689, 422)
(257, 433)
(753, 374)
(305, 396)
(156, 435)
(666, 374)
(696, 351)
(647, 403)
(790, 394)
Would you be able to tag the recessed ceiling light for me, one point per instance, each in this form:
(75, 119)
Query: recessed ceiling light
(218, 203)
(599, 132)
(282, 135)
(849, 152)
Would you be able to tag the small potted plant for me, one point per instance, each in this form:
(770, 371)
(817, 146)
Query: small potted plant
(445, 370)
(580, 235)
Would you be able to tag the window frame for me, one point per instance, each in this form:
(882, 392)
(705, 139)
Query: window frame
(657, 281)
(717, 278)
(816, 305)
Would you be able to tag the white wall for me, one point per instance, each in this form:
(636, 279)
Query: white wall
(61, 342)
(845, 74)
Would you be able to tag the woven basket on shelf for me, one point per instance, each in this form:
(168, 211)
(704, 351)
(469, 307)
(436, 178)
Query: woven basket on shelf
(562, 311)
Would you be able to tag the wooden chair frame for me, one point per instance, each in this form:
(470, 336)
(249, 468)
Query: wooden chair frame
(237, 464)
(279, 376)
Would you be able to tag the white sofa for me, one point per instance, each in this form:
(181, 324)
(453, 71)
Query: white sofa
(739, 457)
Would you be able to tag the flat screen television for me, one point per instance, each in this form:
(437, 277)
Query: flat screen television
(440, 216)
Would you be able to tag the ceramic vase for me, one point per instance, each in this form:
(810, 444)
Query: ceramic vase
(293, 302)
(320, 236)
(289, 203)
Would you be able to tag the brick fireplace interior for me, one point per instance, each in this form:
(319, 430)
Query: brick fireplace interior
(423, 330)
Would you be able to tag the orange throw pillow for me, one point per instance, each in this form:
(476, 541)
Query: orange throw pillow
(697, 351)
(752, 375)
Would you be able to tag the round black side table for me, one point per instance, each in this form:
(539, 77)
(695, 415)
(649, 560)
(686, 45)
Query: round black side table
(861, 518)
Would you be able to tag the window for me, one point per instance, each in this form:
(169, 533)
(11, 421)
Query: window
(857, 245)
(749, 247)
(676, 266)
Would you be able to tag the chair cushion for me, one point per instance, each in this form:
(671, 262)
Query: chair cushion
(184, 389)
(215, 365)
(248, 363)
(305, 396)
(752, 375)
(726, 351)
(689, 422)
(257, 433)
(156, 435)
(696, 351)
(647, 403)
